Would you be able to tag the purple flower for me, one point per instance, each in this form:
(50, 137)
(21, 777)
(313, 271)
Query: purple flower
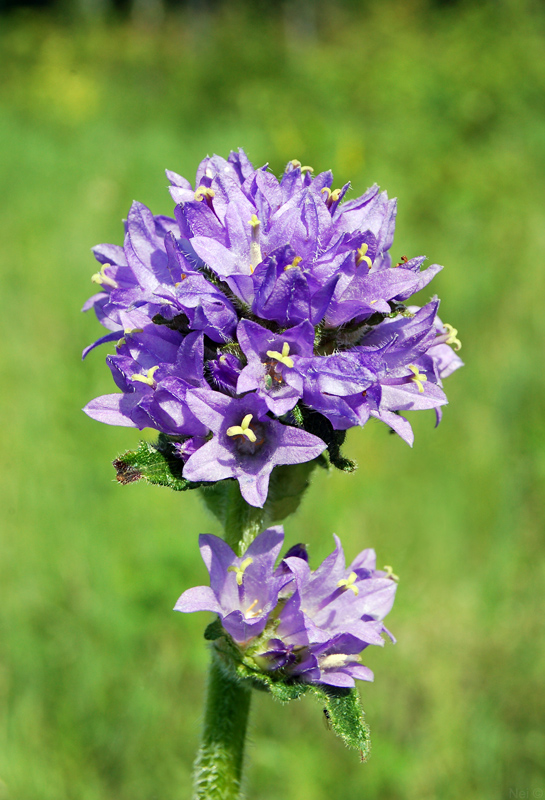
(243, 590)
(247, 444)
(279, 296)
(292, 622)
(272, 363)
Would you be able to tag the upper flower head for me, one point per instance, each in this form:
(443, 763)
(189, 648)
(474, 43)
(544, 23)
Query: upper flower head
(270, 298)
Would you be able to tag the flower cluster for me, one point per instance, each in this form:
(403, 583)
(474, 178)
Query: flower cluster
(289, 621)
(264, 312)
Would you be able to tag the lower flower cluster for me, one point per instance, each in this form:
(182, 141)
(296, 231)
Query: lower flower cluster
(291, 622)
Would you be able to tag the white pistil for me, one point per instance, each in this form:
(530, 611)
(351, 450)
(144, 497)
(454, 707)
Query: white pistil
(283, 357)
(255, 249)
(349, 582)
(360, 256)
(101, 277)
(239, 571)
(147, 378)
(243, 429)
(418, 377)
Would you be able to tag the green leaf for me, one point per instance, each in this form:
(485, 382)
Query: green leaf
(155, 463)
(345, 715)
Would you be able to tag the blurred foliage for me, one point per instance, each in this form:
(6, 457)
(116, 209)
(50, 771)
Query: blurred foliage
(100, 683)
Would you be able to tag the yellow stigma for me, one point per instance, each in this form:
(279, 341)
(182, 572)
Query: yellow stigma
(332, 196)
(452, 336)
(418, 377)
(203, 192)
(240, 572)
(349, 583)
(360, 256)
(283, 357)
(243, 429)
(101, 277)
(390, 573)
(147, 378)
(295, 263)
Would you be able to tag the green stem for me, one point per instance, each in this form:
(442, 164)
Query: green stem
(218, 766)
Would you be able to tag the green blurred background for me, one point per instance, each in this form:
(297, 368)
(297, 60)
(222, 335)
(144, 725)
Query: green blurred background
(101, 684)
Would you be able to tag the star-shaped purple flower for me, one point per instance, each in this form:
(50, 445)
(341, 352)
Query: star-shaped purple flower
(243, 590)
(247, 443)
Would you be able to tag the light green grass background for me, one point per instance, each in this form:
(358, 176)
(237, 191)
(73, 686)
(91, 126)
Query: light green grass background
(101, 684)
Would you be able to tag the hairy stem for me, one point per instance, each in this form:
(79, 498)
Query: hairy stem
(218, 766)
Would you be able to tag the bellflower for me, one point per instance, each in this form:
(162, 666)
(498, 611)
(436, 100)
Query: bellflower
(291, 622)
(273, 301)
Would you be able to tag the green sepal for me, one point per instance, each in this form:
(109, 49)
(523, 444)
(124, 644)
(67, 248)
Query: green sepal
(336, 456)
(342, 706)
(345, 716)
(155, 463)
(280, 690)
(214, 630)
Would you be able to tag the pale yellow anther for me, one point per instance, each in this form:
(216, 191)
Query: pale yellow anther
(133, 330)
(239, 571)
(417, 377)
(204, 191)
(452, 336)
(390, 573)
(349, 582)
(307, 169)
(283, 357)
(147, 378)
(360, 256)
(250, 613)
(101, 277)
(295, 163)
(328, 190)
(243, 429)
(335, 194)
(296, 261)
